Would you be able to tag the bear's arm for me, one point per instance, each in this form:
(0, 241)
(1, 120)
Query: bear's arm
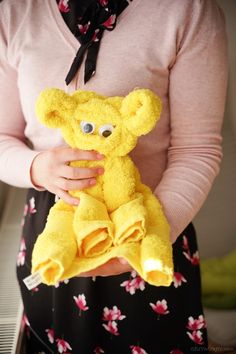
(119, 183)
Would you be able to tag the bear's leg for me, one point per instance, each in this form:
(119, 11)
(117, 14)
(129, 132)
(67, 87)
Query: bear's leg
(56, 246)
(92, 226)
(156, 248)
(129, 221)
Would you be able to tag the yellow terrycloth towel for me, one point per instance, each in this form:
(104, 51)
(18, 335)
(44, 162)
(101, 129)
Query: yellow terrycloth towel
(119, 216)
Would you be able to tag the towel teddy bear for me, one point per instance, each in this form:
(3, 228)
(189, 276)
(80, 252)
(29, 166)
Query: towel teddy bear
(119, 216)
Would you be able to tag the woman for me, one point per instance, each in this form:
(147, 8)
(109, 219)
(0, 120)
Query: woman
(111, 47)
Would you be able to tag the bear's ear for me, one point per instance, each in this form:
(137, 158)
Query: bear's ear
(54, 108)
(141, 110)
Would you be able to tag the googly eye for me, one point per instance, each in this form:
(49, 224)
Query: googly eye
(87, 127)
(106, 130)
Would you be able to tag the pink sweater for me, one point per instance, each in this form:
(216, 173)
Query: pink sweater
(175, 48)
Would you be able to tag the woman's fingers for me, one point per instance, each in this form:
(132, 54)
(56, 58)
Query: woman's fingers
(72, 185)
(66, 197)
(80, 173)
(67, 155)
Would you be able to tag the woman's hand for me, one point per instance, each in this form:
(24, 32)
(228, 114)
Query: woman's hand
(50, 170)
(115, 266)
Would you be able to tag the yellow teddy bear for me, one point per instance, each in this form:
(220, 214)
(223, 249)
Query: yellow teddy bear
(119, 216)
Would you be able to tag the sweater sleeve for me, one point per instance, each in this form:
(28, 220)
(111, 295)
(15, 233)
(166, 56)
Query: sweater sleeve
(197, 89)
(15, 156)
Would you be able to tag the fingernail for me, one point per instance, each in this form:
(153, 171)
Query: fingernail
(100, 171)
(100, 156)
(76, 202)
(123, 261)
(92, 182)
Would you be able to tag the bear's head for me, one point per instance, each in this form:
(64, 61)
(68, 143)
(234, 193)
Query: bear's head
(89, 121)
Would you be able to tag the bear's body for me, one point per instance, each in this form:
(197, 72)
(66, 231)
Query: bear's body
(111, 188)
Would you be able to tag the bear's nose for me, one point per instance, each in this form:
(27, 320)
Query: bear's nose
(106, 133)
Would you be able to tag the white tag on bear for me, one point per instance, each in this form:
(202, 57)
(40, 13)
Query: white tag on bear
(32, 280)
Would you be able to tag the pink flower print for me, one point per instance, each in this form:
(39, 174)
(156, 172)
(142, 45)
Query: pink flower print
(137, 281)
(129, 286)
(178, 279)
(140, 283)
(160, 307)
(112, 328)
(112, 314)
(81, 302)
(132, 285)
(109, 23)
(50, 333)
(31, 208)
(84, 28)
(185, 243)
(176, 351)
(116, 314)
(103, 2)
(196, 324)
(95, 39)
(63, 6)
(137, 350)
(24, 215)
(194, 259)
(62, 346)
(187, 255)
(196, 337)
(107, 314)
(35, 290)
(98, 350)
(20, 258)
(21, 254)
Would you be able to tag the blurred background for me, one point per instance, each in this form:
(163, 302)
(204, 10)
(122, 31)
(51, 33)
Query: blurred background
(216, 221)
(215, 225)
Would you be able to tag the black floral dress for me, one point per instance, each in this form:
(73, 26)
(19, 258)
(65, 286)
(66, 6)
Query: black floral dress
(113, 315)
